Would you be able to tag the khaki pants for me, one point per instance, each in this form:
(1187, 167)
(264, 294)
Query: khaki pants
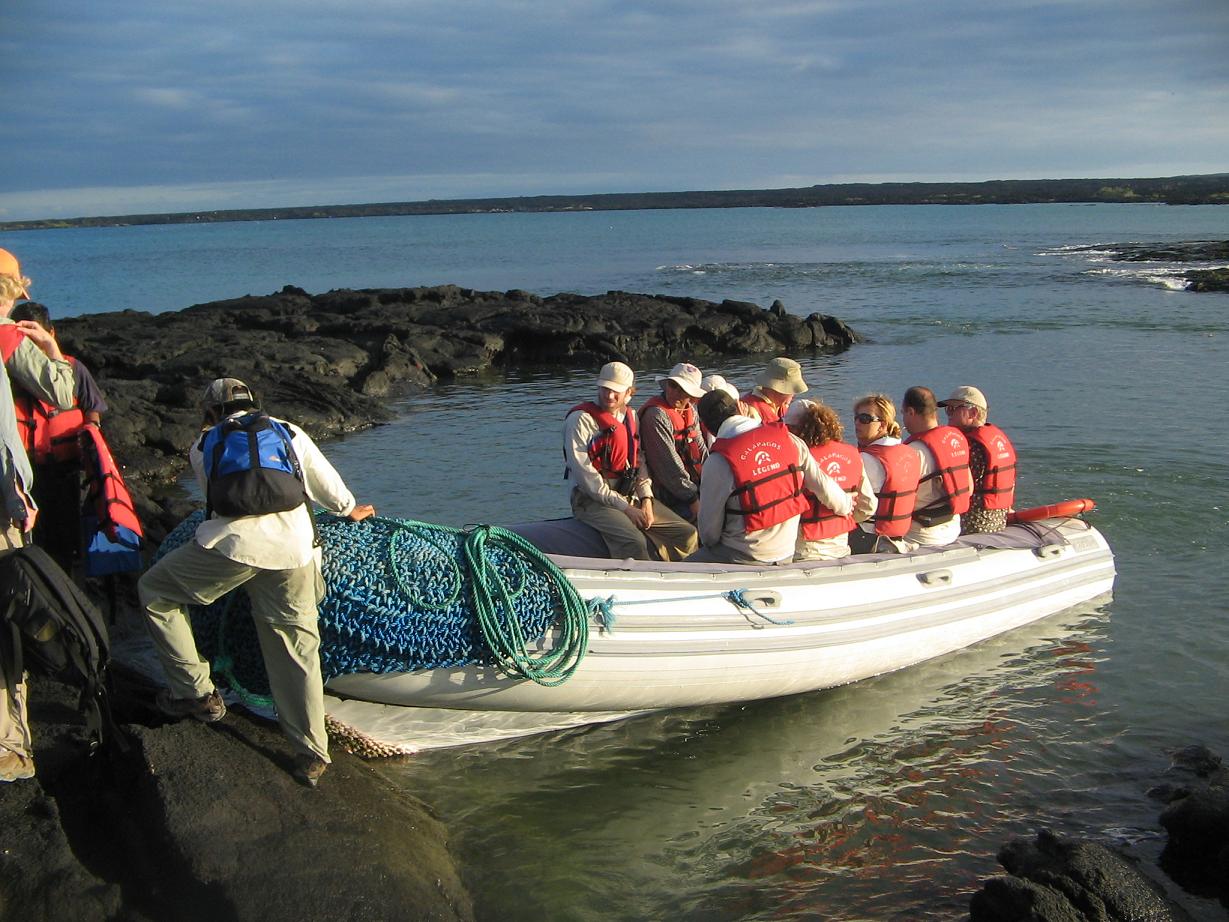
(284, 606)
(14, 726)
(671, 537)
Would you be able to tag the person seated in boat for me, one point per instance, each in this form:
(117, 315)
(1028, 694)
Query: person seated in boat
(992, 461)
(945, 482)
(753, 489)
(259, 475)
(776, 386)
(893, 470)
(609, 487)
(714, 383)
(674, 449)
(822, 534)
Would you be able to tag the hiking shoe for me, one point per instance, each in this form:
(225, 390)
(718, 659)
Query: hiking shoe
(308, 768)
(207, 708)
(14, 766)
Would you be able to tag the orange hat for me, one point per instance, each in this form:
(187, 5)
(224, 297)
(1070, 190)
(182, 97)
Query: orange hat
(11, 267)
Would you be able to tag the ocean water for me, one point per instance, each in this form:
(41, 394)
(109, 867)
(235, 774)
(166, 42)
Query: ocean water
(886, 799)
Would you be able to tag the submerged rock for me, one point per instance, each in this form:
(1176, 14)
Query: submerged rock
(330, 361)
(1066, 880)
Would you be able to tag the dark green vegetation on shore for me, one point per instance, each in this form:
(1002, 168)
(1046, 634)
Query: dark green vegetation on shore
(1208, 189)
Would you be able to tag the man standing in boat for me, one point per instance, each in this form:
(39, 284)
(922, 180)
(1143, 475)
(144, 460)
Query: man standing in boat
(776, 386)
(273, 554)
(992, 461)
(944, 479)
(609, 487)
(752, 493)
(674, 449)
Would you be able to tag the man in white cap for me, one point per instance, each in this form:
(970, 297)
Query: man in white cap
(992, 460)
(609, 486)
(776, 386)
(258, 533)
(670, 436)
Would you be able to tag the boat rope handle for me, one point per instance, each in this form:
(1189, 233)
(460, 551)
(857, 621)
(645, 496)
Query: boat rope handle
(739, 598)
(602, 610)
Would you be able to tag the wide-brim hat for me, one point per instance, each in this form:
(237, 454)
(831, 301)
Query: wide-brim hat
(783, 376)
(688, 377)
(616, 376)
(967, 393)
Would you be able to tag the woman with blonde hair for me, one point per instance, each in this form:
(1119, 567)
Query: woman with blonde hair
(822, 534)
(893, 470)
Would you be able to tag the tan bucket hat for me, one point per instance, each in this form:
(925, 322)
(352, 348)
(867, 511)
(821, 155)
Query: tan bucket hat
(783, 376)
(688, 377)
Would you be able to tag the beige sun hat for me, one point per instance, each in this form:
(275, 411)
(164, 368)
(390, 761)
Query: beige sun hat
(616, 376)
(783, 376)
(967, 393)
(718, 383)
(12, 268)
(798, 409)
(686, 376)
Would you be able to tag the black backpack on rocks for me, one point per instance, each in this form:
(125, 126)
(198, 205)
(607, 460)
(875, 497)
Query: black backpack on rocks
(49, 626)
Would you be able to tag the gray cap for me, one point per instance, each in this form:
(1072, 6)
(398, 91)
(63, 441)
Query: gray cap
(226, 390)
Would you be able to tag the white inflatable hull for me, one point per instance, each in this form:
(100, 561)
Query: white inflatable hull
(676, 641)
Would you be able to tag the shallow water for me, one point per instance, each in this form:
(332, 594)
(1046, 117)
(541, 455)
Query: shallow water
(882, 800)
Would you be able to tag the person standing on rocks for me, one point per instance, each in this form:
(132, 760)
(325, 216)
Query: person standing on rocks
(609, 487)
(992, 460)
(269, 548)
(776, 386)
(35, 365)
(674, 449)
(53, 450)
(17, 517)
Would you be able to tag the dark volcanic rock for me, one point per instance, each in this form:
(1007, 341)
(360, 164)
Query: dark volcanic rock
(1197, 820)
(1207, 280)
(1059, 880)
(329, 361)
(198, 822)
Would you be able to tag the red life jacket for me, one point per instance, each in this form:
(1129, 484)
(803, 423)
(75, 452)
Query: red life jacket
(843, 464)
(107, 491)
(767, 479)
(48, 433)
(687, 441)
(997, 489)
(615, 450)
(951, 452)
(10, 338)
(897, 496)
(766, 408)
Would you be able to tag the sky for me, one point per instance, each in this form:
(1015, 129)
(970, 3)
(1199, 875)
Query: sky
(132, 106)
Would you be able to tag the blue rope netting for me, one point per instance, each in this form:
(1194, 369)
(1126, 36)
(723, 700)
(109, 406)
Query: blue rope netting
(405, 595)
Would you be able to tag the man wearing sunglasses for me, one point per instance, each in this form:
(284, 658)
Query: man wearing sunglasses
(992, 460)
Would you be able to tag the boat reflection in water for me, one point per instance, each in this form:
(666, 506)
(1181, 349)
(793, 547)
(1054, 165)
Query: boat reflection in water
(848, 803)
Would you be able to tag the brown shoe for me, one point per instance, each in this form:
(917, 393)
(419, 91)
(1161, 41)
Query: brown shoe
(14, 766)
(207, 708)
(308, 768)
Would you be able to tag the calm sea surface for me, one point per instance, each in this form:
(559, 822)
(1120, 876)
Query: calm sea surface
(882, 800)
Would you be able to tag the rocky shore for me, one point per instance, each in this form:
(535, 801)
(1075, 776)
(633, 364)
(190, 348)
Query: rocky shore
(190, 821)
(1200, 280)
(331, 362)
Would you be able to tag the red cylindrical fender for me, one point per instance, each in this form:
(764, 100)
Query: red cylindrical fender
(1061, 510)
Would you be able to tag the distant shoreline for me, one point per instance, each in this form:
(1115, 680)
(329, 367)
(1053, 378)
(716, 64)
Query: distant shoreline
(1206, 189)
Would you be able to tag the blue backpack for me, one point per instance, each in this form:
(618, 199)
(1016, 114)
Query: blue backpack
(251, 467)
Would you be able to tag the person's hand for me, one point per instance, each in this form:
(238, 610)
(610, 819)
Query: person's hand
(646, 509)
(31, 517)
(694, 509)
(358, 513)
(636, 514)
(41, 338)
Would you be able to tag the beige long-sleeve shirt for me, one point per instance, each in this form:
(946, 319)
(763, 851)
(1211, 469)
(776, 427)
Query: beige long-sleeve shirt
(277, 540)
(579, 429)
(31, 371)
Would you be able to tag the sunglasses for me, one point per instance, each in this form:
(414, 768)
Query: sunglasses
(866, 419)
(958, 406)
